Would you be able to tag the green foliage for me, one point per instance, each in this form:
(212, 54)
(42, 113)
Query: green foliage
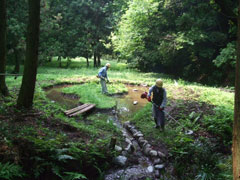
(133, 28)
(73, 176)
(227, 56)
(225, 166)
(11, 171)
(217, 97)
(178, 38)
(221, 124)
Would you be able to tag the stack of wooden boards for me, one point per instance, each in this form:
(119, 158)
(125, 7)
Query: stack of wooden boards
(79, 110)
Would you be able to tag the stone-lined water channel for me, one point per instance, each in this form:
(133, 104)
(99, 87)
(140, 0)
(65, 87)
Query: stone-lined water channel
(138, 160)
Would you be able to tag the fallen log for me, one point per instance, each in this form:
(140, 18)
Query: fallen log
(75, 109)
(90, 106)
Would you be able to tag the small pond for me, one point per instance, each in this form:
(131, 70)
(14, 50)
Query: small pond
(125, 103)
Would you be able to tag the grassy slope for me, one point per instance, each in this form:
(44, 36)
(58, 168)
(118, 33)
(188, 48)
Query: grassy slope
(206, 110)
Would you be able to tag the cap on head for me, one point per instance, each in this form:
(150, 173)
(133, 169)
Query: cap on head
(159, 83)
(108, 65)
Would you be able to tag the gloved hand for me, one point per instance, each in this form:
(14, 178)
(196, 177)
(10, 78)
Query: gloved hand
(161, 109)
(149, 98)
(107, 80)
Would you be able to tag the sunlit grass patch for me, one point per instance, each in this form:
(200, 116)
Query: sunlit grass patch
(81, 62)
(91, 93)
(217, 97)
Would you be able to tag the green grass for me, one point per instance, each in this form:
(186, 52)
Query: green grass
(91, 93)
(96, 127)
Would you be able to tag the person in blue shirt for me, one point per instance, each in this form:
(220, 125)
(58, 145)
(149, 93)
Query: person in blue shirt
(102, 74)
(159, 102)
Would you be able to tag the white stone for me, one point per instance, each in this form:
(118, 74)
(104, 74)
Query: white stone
(128, 141)
(153, 153)
(118, 148)
(128, 148)
(140, 139)
(147, 150)
(135, 145)
(159, 166)
(142, 142)
(126, 124)
(157, 161)
(135, 102)
(120, 160)
(146, 144)
(150, 169)
(189, 132)
(160, 154)
(139, 135)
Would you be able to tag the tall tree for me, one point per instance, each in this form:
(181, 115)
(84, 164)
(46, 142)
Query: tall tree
(3, 24)
(16, 29)
(236, 124)
(25, 98)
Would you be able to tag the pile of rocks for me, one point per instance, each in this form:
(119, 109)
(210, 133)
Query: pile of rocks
(137, 140)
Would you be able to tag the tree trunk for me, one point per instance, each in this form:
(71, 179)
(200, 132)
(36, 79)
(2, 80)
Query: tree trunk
(25, 98)
(17, 64)
(50, 59)
(95, 59)
(236, 123)
(99, 60)
(3, 24)
(60, 61)
(68, 62)
(87, 61)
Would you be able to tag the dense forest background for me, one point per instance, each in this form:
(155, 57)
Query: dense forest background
(191, 39)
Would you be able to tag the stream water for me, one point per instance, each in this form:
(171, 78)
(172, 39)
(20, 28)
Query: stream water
(138, 166)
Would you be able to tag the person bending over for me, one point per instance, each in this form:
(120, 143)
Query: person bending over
(159, 101)
(102, 74)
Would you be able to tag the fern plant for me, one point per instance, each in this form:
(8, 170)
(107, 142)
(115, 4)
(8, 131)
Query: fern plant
(10, 171)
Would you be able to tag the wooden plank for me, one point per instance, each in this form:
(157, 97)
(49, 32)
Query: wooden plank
(83, 110)
(75, 109)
